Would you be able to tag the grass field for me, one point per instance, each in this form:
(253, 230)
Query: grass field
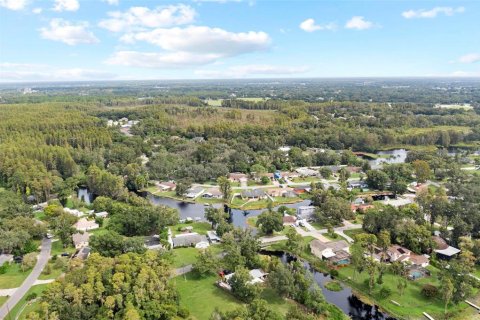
(351, 233)
(198, 227)
(186, 256)
(57, 248)
(201, 296)
(2, 300)
(412, 302)
(23, 308)
(14, 277)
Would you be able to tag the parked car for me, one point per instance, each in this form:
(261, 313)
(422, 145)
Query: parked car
(65, 254)
(49, 236)
(18, 259)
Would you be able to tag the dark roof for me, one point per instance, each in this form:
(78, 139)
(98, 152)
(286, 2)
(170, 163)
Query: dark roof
(254, 193)
(188, 240)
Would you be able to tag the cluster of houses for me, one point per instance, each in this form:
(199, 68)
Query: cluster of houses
(123, 122)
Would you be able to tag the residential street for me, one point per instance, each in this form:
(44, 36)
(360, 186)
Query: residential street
(22, 290)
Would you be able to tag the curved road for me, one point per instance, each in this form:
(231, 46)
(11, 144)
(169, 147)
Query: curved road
(28, 283)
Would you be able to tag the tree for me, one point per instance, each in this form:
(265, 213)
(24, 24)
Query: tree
(111, 244)
(29, 261)
(447, 293)
(225, 188)
(402, 285)
(422, 170)
(281, 280)
(270, 221)
(241, 286)
(62, 225)
(215, 216)
(294, 241)
(377, 179)
(326, 172)
(182, 187)
(207, 263)
(357, 258)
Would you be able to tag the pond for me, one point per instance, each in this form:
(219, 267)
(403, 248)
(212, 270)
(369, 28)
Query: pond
(390, 156)
(345, 299)
(194, 210)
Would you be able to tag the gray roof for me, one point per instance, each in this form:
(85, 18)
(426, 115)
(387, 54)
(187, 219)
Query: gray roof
(254, 193)
(187, 240)
(334, 245)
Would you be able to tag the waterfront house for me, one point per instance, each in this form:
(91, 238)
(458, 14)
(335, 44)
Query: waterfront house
(336, 252)
(443, 250)
(253, 194)
(194, 192)
(188, 240)
(305, 212)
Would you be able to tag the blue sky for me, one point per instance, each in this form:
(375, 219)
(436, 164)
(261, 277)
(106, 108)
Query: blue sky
(56, 40)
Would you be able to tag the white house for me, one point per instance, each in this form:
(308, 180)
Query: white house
(305, 212)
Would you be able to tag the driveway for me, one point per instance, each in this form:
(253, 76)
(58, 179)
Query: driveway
(28, 283)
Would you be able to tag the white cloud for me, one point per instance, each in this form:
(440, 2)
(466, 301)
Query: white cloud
(13, 4)
(66, 5)
(112, 2)
(194, 45)
(470, 58)
(465, 74)
(358, 23)
(68, 32)
(138, 17)
(310, 26)
(245, 71)
(12, 72)
(432, 13)
(37, 10)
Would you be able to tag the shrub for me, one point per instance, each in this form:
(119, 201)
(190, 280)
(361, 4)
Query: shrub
(47, 270)
(31, 296)
(333, 272)
(4, 267)
(385, 292)
(429, 290)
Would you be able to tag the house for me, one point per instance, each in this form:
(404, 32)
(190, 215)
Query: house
(74, 212)
(360, 207)
(153, 242)
(254, 194)
(399, 202)
(213, 193)
(336, 252)
(443, 250)
(419, 260)
(84, 225)
(289, 220)
(212, 237)
(306, 172)
(188, 240)
(305, 212)
(257, 275)
(236, 176)
(243, 182)
(102, 214)
(398, 253)
(281, 192)
(80, 240)
(167, 186)
(83, 253)
(194, 192)
(301, 190)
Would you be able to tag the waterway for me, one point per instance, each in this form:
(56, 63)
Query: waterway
(345, 299)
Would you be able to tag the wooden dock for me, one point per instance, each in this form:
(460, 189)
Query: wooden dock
(429, 317)
(473, 305)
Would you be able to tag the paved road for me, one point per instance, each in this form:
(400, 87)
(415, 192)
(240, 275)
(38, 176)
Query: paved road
(32, 277)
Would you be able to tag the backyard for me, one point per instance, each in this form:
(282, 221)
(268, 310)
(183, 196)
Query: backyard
(195, 291)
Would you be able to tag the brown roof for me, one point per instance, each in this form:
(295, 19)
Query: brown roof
(289, 219)
(418, 259)
(80, 237)
(236, 175)
(441, 243)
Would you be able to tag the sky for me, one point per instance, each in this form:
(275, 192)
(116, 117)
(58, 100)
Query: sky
(58, 40)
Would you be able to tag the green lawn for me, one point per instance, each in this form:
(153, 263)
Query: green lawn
(2, 300)
(335, 237)
(477, 271)
(57, 248)
(14, 277)
(21, 312)
(184, 256)
(199, 227)
(201, 296)
(55, 272)
(40, 215)
(412, 302)
(351, 233)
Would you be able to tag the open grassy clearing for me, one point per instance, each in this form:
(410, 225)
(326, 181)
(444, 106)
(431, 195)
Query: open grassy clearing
(23, 308)
(14, 276)
(201, 296)
(198, 227)
(353, 232)
(412, 302)
(57, 248)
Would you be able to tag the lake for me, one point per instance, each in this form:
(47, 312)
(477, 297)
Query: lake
(390, 156)
(194, 210)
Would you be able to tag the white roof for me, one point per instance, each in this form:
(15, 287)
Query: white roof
(450, 251)
(328, 254)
